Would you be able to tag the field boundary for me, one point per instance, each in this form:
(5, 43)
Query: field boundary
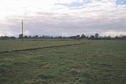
(28, 49)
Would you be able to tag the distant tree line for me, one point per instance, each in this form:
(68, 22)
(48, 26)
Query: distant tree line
(41, 37)
(7, 38)
(96, 36)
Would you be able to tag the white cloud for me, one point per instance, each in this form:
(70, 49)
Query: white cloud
(6, 33)
(114, 33)
(46, 17)
(69, 1)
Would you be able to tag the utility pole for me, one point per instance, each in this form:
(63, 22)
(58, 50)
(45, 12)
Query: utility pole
(22, 29)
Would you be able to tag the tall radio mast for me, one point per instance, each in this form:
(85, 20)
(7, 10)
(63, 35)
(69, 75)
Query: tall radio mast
(22, 29)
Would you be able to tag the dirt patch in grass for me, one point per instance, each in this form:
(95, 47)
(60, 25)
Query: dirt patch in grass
(45, 65)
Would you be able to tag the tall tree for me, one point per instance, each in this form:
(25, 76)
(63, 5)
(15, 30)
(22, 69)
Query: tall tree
(83, 36)
(96, 35)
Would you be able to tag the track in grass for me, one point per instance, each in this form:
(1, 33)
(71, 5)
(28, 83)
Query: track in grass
(40, 48)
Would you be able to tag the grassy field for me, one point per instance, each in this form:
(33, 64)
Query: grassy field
(91, 62)
(9, 45)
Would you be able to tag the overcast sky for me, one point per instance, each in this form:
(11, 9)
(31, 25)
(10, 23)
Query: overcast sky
(63, 17)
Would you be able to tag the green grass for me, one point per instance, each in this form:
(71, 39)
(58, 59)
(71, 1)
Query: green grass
(9, 45)
(94, 62)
